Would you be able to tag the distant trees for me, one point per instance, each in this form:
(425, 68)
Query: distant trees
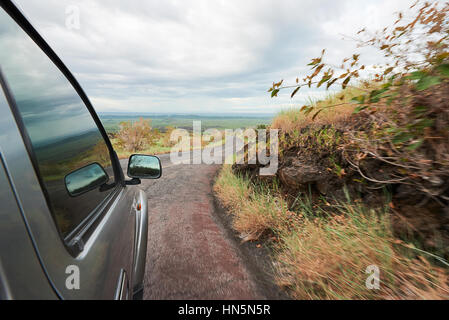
(139, 136)
(133, 136)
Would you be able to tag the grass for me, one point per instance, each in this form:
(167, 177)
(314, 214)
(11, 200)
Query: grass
(158, 148)
(291, 120)
(323, 254)
(154, 149)
(139, 129)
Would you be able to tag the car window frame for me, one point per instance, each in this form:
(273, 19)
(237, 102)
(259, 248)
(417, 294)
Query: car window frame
(74, 239)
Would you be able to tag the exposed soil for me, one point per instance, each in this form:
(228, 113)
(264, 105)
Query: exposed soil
(320, 170)
(192, 254)
(258, 260)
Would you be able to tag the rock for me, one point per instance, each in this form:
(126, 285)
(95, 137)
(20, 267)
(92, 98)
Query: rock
(323, 186)
(295, 174)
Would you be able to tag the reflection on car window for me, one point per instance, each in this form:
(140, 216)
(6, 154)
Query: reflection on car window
(85, 179)
(63, 134)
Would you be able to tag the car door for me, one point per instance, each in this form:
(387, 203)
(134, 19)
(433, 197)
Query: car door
(85, 239)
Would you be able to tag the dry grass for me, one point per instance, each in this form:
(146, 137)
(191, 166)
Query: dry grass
(157, 147)
(326, 258)
(323, 256)
(255, 213)
(293, 119)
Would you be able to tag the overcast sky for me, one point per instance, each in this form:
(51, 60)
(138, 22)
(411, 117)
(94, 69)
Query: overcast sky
(200, 56)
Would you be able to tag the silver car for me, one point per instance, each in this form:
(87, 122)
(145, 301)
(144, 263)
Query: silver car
(71, 225)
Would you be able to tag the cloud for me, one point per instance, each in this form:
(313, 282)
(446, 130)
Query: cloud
(199, 55)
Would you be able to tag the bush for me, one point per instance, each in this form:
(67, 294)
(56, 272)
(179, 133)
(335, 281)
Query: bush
(401, 118)
(133, 137)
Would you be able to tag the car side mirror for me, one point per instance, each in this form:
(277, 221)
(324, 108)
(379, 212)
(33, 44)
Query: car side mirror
(85, 179)
(144, 167)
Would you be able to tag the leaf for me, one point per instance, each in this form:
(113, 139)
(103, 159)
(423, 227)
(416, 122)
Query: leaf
(359, 109)
(388, 70)
(278, 84)
(393, 77)
(376, 95)
(316, 114)
(330, 83)
(415, 145)
(317, 70)
(324, 79)
(274, 93)
(387, 85)
(345, 83)
(344, 75)
(303, 108)
(359, 99)
(295, 92)
(417, 75)
(444, 69)
(308, 111)
(315, 62)
(402, 137)
(427, 82)
(442, 56)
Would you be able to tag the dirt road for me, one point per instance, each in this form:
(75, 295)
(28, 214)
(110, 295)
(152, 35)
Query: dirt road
(189, 253)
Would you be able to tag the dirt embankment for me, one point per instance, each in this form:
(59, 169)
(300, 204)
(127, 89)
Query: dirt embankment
(330, 164)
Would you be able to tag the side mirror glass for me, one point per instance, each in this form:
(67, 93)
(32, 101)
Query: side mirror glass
(144, 167)
(85, 179)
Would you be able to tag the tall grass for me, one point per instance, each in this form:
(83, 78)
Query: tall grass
(335, 107)
(319, 255)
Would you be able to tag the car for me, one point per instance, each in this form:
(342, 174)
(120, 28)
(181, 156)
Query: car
(71, 225)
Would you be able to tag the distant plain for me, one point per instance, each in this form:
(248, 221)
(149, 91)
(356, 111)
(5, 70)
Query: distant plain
(111, 121)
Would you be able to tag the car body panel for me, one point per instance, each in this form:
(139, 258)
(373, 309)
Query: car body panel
(112, 255)
(140, 242)
(21, 274)
(100, 265)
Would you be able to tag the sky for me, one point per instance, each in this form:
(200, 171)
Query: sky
(202, 56)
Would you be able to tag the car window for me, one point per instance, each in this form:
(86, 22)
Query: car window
(63, 134)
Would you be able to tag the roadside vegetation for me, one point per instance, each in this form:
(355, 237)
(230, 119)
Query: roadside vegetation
(322, 251)
(363, 178)
(139, 137)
